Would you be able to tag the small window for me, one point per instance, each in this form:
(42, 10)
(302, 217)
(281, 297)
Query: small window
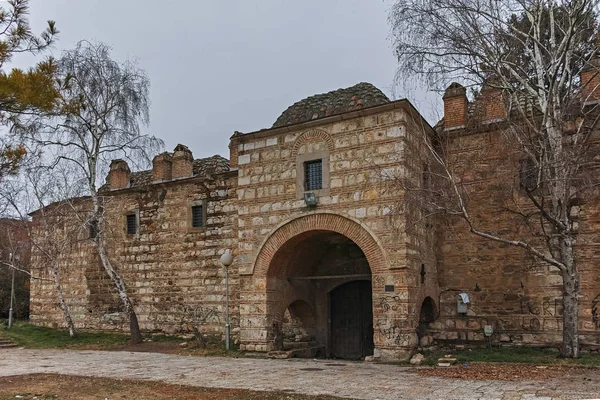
(528, 174)
(131, 224)
(426, 177)
(197, 216)
(93, 229)
(313, 175)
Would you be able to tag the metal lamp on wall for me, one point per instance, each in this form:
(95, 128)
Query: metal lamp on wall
(311, 199)
(227, 260)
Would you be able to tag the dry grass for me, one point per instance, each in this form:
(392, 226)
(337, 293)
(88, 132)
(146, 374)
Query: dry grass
(48, 386)
(510, 372)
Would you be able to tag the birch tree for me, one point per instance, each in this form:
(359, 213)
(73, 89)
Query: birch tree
(14, 258)
(102, 105)
(54, 229)
(533, 52)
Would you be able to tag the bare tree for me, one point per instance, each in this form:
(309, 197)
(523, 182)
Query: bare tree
(54, 232)
(102, 104)
(532, 53)
(14, 255)
(55, 228)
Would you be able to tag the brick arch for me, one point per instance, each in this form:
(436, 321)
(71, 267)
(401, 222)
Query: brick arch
(332, 222)
(312, 135)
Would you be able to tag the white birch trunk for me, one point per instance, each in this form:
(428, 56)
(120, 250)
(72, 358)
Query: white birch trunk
(134, 328)
(61, 300)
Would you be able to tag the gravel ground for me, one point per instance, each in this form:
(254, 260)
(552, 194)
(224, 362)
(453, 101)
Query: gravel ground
(314, 377)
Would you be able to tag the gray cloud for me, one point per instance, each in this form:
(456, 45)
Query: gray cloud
(220, 66)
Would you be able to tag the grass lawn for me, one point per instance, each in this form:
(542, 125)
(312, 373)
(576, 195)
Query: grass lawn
(37, 337)
(527, 355)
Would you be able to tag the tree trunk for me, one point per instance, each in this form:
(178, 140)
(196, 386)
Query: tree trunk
(570, 345)
(134, 327)
(61, 300)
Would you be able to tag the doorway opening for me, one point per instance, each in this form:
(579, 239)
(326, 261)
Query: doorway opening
(351, 310)
(320, 290)
(428, 315)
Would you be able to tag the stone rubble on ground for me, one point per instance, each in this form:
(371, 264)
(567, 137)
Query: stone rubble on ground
(417, 359)
(446, 361)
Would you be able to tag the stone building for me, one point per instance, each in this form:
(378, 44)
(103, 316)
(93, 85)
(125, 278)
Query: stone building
(332, 254)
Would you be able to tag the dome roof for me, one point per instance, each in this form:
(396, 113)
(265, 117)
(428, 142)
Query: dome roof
(339, 101)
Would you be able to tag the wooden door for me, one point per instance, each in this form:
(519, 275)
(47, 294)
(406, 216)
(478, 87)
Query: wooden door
(351, 316)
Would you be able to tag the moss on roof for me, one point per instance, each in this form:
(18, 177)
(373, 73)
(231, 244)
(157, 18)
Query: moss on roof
(202, 167)
(339, 101)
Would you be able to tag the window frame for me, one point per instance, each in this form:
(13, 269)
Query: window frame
(426, 177)
(301, 159)
(93, 229)
(528, 173)
(136, 213)
(190, 216)
(307, 175)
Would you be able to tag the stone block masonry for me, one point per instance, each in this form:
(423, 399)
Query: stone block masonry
(362, 271)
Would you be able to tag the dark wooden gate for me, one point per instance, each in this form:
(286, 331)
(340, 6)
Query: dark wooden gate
(351, 314)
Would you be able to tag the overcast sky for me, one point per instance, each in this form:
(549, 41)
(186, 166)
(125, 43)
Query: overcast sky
(219, 66)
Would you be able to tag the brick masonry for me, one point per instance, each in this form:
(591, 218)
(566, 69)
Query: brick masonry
(366, 224)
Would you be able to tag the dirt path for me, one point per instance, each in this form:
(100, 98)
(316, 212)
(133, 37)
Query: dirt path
(344, 379)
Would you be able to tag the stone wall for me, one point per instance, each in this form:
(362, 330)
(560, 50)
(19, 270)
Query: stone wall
(57, 238)
(373, 221)
(369, 157)
(171, 270)
(518, 295)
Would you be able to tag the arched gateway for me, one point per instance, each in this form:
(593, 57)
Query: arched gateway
(311, 288)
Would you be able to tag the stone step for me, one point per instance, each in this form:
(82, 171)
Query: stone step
(7, 343)
(308, 352)
(446, 361)
(298, 345)
(281, 354)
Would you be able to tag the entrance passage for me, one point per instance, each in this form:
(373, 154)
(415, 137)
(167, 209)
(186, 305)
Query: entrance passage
(320, 285)
(352, 321)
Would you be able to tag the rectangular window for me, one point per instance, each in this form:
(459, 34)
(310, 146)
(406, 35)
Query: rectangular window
(426, 176)
(93, 229)
(528, 174)
(131, 224)
(197, 216)
(313, 175)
